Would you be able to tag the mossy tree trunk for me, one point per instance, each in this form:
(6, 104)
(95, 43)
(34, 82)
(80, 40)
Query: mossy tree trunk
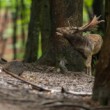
(101, 90)
(31, 50)
(39, 22)
(59, 49)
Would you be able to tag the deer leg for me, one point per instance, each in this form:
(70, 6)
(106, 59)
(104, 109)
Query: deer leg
(88, 65)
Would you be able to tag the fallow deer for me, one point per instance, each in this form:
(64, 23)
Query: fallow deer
(87, 45)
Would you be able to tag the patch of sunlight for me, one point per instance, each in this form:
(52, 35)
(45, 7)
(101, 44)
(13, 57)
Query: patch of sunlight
(85, 16)
(20, 55)
(39, 46)
(18, 45)
(8, 33)
(88, 2)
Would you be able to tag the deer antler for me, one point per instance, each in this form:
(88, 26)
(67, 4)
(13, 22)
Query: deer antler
(90, 25)
(71, 30)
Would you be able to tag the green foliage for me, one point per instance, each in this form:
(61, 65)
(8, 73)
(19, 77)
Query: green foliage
(85, 15)
(88, 2)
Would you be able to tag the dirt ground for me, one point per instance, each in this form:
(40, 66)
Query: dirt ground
(17, 95)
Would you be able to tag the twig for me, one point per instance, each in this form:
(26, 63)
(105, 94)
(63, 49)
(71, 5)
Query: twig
(49, 102)
(75, 93)
(33, 85)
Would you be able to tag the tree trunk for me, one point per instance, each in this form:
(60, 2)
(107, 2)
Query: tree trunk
(23, 15)
(45, 24)
(101, 90)
(59, 50)
(31, 51)
(14, 39)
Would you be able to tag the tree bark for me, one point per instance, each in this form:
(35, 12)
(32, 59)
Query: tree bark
(45, 24)
(101, 89)
(59, 49)
(14, 38)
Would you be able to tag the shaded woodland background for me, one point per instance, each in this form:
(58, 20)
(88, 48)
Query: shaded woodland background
(14, 20)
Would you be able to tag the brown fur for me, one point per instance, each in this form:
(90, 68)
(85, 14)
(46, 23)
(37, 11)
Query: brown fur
(87, 45)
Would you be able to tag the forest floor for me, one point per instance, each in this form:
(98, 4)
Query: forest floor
(68, 91)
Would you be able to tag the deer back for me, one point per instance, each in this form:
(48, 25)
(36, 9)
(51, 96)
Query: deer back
(97, 42)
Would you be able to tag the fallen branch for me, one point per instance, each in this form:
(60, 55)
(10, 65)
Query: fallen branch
(36, 87)
(68, 105)
(102, 108)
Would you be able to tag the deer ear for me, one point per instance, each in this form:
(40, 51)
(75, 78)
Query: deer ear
(59, 34)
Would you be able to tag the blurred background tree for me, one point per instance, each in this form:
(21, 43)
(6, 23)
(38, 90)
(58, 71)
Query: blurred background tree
(14, 19)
